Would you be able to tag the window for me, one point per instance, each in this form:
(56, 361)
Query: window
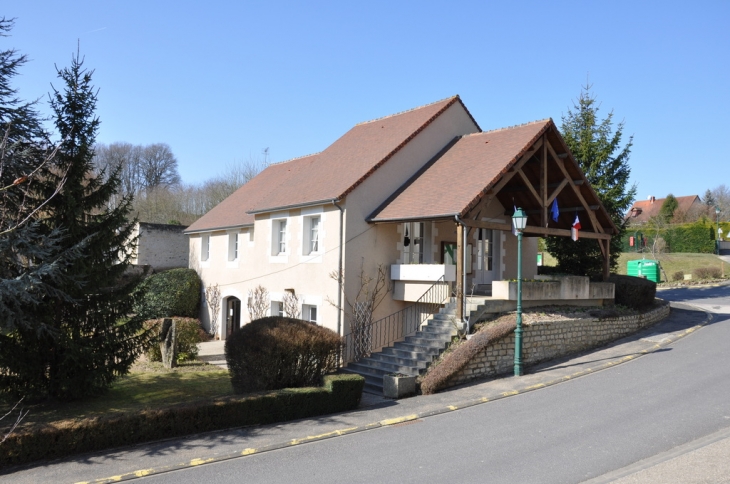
(309, 313)
(233, 246)
(415, 241)
(205, 247)
(277, 308)
(311, 243)
(278, 237)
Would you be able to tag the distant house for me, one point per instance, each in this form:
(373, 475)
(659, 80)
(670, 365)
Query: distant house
(424, 193)
(160, 246)
(643, 210)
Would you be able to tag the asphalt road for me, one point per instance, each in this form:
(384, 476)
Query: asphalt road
(571, 432)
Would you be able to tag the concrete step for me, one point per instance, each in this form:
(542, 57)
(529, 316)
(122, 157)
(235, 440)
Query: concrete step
(375, 367)
(415, 348)
(424, 339)
(412, 362)
(408, 353)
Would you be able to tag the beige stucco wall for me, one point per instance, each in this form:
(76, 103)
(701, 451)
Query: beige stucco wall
(371, 245)
(308, 275)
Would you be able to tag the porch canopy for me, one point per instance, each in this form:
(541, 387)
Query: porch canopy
(527, 166)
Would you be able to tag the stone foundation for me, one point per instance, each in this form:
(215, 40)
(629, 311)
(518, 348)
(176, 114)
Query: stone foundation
(547, 340)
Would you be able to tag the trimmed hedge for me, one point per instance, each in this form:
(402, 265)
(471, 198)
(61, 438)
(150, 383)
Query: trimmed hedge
(189, 334)
(171, 293)
(633, 292)
(437, 378)
(339, 393)
(278, 352)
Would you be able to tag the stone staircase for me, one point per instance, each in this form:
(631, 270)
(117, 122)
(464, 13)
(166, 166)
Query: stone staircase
(416, 352)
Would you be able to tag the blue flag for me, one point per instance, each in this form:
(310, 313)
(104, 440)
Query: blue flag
(554, 211)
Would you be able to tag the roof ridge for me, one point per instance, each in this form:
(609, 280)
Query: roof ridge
(293, 159)
(538, 121)
(408, 110)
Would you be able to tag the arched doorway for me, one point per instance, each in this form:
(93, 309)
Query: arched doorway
(233, 314)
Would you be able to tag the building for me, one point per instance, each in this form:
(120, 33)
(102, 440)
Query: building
(644, 210)
(425, 194)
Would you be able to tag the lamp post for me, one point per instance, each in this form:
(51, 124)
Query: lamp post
(717, 241)
(519, 220)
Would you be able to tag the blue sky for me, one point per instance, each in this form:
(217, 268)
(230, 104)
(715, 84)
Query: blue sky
(221, 81)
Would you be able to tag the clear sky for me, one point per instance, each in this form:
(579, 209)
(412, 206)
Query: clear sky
(221, 81)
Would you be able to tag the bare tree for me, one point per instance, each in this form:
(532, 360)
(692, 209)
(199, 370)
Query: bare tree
(258, 303)
(213, 299)
(371, 292)
(658, 246)
(158, 166)
(19, 418)
(291, 305)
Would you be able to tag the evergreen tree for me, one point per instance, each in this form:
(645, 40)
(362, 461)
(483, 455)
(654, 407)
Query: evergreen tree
(92, 340)
(670, 205)
(597, 148)
(25, 156)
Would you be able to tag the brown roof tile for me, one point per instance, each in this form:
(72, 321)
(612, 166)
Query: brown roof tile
(328, 175)
(453, 182)
(643, 210)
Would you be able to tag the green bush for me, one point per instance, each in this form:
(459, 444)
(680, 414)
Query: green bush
(189, 334)
(277, 352)
(171, 293)
(339, 393)
(633, 292)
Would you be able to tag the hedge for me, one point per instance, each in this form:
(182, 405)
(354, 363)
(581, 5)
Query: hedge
(633, 292)
(339, 393)
(171, 293)
(697, 237)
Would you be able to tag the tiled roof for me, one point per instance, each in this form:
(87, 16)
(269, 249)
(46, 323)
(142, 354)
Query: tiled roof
(328, 175)
(458, 177)
(643, 210)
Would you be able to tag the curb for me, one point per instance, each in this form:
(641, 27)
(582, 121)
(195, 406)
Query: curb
(399, 420)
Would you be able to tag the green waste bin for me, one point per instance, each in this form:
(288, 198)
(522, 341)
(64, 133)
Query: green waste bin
(648, 269)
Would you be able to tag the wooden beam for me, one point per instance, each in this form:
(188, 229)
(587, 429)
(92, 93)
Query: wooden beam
(561, 165)
(508, 176)
(607, 261)
(562, 209)
(550, 185)
(560, 187)
(533, 230)
(529, 185)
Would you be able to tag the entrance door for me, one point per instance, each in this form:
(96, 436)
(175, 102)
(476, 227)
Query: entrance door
(487, 246)
(233, 314)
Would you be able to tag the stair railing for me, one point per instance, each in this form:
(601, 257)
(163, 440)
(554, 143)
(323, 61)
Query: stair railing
(363, 341)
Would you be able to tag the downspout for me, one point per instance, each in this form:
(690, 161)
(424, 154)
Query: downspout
(339, 269)
(463, 270)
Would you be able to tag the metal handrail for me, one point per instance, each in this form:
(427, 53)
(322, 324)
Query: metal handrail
(363, 341)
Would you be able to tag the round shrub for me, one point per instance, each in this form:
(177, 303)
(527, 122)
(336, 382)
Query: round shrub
(171, 293)
(277, 352)
(189, 334)
(633, 292)
(678, 276)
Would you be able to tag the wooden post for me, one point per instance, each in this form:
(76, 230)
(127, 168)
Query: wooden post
(606, 259)
(459, 272)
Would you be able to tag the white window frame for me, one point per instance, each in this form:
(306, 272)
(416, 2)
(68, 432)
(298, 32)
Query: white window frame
(205, 247)
(312, 235)
(423, 255)
(234, 246)
(277, 308)
(279, 236)
(307, 313)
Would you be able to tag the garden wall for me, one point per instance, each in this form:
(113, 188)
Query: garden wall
(552, 339)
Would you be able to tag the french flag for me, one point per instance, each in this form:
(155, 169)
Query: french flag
(575, 229)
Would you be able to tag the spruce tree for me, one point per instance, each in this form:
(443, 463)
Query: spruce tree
(597, 148)
(92, 340)
(670, 205)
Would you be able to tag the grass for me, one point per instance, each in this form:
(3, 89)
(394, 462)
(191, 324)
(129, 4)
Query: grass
(147, 386)
(672, 262)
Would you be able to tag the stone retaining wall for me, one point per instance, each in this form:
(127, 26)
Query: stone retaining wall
(552, 339)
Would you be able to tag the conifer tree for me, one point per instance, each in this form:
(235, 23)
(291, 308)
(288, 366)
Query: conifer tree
(669, 207)
(91, 340)
(597, 148)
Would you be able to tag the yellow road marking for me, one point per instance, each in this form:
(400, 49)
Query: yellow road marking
(508, 394)
(485, 399)
(391, 421)
(453, 407)
(197, 462)
(320, 436)
(143, 472)
(533, 387)
(248, 451)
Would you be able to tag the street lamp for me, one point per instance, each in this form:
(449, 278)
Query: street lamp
(717, 242)
(519, 221)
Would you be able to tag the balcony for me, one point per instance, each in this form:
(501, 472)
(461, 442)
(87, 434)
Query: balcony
(410, 281)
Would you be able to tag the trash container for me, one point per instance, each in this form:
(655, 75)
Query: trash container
(648, 269)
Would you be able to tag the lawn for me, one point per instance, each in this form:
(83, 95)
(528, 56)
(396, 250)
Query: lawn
(670, 262)
(146, 386)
